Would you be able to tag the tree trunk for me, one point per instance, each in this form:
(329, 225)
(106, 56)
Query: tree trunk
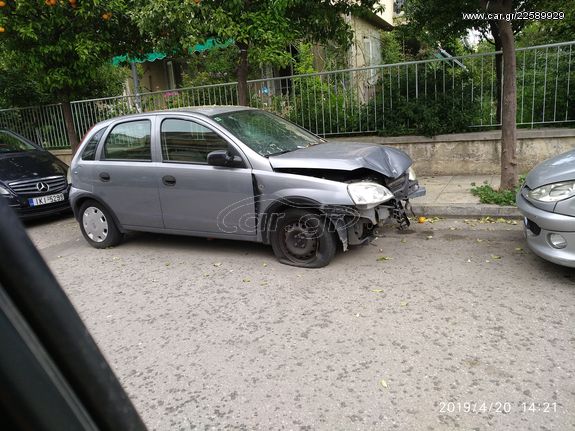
(242, 75)
(70, 129)
(498, 68)
(508, 114)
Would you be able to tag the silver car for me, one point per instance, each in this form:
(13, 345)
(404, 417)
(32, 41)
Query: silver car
(237, 173)
(547, 202)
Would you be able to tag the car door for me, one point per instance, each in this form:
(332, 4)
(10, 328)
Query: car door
(195, 196)
(125, 177)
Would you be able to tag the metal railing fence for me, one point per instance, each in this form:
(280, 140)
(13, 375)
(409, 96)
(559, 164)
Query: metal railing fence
(441, 95)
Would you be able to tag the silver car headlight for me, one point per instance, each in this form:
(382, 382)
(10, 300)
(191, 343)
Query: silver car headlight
(553, 192)
(368, 195)
(411, 174)
(4, 191)
(69, 176)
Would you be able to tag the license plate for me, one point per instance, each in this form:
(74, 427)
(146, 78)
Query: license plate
(44, 200)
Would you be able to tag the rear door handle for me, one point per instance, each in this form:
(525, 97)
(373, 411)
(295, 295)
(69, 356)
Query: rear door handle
(168, 180)
(104, 176)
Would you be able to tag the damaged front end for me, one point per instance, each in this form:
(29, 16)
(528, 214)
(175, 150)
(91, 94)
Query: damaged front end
(369, 218)
(383, 175)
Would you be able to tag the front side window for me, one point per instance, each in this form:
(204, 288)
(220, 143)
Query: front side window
(187, 141)
(129, 141)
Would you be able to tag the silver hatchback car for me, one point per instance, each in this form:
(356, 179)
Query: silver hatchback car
(237, 173)
(547, 202)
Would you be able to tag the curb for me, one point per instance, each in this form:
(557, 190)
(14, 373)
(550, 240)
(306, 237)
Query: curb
(466, 210)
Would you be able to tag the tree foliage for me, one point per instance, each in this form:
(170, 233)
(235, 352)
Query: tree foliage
(60, 48)
(443, 20)
(63, 45)
(261, 29)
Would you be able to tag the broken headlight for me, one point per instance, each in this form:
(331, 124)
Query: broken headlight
(368, 195)
(553, 192)
(411, 174)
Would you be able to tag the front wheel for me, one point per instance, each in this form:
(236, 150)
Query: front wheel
(98, 226)
(303, 239)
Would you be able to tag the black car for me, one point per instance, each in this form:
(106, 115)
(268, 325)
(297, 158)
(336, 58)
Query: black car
(32, 180)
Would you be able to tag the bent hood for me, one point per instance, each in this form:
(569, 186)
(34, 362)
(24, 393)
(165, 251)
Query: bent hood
(345, 156)
(29, 165)
(554, 170)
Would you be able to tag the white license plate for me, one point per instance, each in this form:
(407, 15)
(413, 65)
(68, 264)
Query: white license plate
(44, 200)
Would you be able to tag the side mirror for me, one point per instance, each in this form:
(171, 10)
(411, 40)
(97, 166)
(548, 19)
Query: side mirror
(224, 158)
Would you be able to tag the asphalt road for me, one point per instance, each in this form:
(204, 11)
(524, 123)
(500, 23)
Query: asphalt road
(451, 326)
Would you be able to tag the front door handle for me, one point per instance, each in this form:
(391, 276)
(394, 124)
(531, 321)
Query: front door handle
(168, 180)
(104, 176)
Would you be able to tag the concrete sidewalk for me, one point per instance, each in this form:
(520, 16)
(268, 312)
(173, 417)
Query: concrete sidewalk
(451, 196)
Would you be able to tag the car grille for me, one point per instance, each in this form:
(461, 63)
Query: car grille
(39, 185)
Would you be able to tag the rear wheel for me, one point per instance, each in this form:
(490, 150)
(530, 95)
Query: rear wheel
(97, 225)
(303, 239)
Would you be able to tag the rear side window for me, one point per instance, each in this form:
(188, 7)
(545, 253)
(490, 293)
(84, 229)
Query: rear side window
(89, 152)
(129, 141)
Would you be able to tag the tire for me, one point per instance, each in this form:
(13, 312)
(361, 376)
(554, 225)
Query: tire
(98, 226)
(303, 239)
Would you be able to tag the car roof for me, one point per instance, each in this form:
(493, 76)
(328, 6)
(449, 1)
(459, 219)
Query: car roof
(212, 110)
(207, 111)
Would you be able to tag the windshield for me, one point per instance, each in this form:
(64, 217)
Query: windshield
(266, 133)
(11, 144)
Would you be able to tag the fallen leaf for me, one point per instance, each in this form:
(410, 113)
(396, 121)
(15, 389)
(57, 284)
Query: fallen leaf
(403, 241)
(218, 264)
(384, 258)
(404, 303)
(518, 248)
(167, 263)
(494, 257)
(421, 220)
(429, 237)
(246, 280)
(383, 383)
(377, 290)
(468, 260)
(479, 240)
(264, 264)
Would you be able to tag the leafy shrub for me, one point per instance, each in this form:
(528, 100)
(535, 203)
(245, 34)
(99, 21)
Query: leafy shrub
(488, 195)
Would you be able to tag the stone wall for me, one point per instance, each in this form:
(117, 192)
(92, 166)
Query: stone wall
(475, 153)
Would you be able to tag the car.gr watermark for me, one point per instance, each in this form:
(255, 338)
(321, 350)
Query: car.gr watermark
(514, 16)
(242, 217)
